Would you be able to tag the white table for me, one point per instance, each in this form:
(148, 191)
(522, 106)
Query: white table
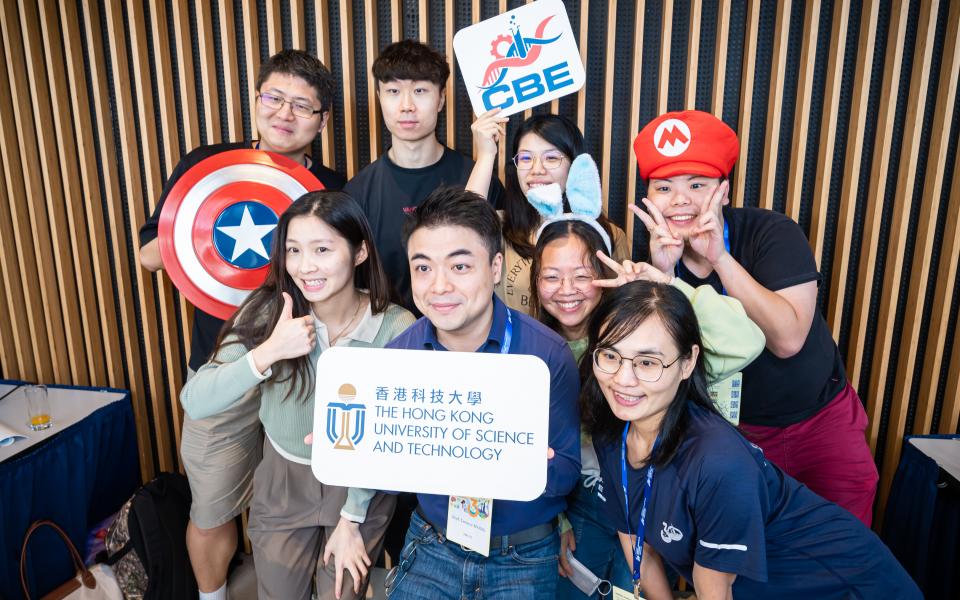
(946, 453)
(67, 406)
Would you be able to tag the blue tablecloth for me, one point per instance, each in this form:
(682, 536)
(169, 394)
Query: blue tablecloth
(76, 478)
(922, 522)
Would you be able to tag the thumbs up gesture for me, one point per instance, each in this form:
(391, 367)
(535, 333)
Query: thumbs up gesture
(290, 338)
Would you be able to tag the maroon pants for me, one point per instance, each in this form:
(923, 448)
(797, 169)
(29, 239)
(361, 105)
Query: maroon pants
(827, 452)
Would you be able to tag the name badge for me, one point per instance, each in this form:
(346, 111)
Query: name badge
(726, 396)
(469, 522)
(622, 594)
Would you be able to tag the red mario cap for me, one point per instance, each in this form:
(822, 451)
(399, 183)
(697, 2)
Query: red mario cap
(686, 142)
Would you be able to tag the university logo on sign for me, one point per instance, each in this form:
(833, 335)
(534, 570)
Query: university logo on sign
(528, 56)
(342, 431)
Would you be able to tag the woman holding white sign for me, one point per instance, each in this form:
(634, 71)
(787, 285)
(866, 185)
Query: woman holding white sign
(687, 489)
(542, 153)
(325, 287)
(570, 262)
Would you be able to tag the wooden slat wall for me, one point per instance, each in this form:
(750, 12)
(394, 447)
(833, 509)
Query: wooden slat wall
(100, 98)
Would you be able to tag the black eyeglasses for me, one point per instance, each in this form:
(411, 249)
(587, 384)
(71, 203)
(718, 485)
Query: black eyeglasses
(646, 368)
(274, 102)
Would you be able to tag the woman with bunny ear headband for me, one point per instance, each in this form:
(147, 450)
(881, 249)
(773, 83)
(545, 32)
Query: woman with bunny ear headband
(571, 270)
(542, 153)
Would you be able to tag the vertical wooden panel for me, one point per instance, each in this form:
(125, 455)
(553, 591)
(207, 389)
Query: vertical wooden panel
(208, 74)
(852, 169)
(322, 9)
(608, 74)
(90, 195)
(666, 40)
(720, 57)
(34, 240)
(75, 251)
(693, 54)
(231, 71)
(274, 33)
(746, 98)
(423, 16)
(349, 88)
(450, 106)
(801, 117)
(396, 20)
(775, 104)
(825, 167)
(894, 271)
(934, 186)
(876, 195)
(582, 94)
(371, 41)
(298, 29)
(633, 170)
(251, 45)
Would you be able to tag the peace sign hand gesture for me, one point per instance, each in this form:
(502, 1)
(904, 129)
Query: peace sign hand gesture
(665, 247)
(629, 271)
(707, 238)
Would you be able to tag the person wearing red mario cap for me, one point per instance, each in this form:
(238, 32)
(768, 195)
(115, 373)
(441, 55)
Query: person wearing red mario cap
(796, 403)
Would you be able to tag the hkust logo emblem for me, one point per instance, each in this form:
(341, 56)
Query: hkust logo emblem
(669, 533)
(672, 137)
(343, 432)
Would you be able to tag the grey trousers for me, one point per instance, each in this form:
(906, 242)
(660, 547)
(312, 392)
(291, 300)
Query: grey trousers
(291, 517)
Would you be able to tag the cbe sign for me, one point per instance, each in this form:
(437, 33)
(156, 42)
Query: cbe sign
(450, 423)
(520, 59)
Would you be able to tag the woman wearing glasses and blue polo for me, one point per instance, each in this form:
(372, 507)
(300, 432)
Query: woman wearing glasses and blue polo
(541, 154)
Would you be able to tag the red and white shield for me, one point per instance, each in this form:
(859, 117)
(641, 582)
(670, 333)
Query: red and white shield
(217, 224)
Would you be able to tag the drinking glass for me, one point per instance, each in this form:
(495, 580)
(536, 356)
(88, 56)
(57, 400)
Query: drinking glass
(38, 407)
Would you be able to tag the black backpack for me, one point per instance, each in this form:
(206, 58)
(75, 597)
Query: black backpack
(146, 545)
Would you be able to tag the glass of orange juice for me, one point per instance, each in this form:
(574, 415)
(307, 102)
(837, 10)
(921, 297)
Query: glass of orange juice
(38, 407)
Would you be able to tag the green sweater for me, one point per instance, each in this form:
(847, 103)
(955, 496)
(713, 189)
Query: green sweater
(228, 377)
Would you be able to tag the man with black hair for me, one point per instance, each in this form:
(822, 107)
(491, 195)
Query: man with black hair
(294, 96)
(455, 247)
(411, 78)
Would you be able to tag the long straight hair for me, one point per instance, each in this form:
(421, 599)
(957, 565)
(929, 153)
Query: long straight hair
(620, 312)
(255, 319)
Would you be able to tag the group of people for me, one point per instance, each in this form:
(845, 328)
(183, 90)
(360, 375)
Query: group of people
(771, 497)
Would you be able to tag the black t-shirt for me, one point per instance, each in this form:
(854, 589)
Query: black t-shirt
(388, 193)
(206, 327)
(780, 392)
(721, 504)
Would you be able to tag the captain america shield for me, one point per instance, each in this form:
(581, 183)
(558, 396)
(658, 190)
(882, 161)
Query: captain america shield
(217, 223)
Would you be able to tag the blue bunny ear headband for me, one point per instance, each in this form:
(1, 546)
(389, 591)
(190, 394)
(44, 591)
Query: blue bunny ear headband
(583, 194)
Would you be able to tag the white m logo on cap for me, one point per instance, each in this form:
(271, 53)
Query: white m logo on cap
(672, 137)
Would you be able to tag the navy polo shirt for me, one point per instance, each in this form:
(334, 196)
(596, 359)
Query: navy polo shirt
(529, 337)
(721, 504)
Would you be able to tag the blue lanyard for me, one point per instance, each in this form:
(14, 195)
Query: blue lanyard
(726, 244)
(507, 334)
(647, 492)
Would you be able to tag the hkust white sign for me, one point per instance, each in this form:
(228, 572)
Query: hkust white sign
(520, 59)
(451, 423)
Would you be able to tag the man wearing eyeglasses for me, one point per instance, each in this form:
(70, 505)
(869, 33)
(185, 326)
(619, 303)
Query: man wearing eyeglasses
(411, 80)
(294, 96)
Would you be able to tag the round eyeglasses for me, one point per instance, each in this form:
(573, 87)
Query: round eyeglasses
(551, 159)
(274, 102)
(646, 368)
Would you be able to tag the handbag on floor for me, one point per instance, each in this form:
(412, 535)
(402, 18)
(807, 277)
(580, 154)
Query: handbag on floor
(95, 583)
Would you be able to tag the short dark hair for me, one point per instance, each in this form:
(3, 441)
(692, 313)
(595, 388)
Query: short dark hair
(305, 66)
(410, 59)
(455, 206)
(620, 312)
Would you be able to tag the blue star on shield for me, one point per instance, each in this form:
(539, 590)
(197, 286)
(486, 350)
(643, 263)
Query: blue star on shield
(243, 234)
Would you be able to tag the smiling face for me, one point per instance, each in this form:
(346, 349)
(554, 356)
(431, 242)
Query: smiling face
(280, 130)
(452, 279)
(538, 174)
(319, 260)
(564, 285)
(410, 108)
(645, 402)
(680, 199)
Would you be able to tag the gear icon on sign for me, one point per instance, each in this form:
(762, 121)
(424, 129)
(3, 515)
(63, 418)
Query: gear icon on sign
(496, 43)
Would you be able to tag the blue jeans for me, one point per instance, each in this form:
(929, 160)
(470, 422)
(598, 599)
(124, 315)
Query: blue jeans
(432, 567)
(598, 546)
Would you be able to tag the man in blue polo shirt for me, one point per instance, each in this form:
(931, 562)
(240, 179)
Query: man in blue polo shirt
(455, 247)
